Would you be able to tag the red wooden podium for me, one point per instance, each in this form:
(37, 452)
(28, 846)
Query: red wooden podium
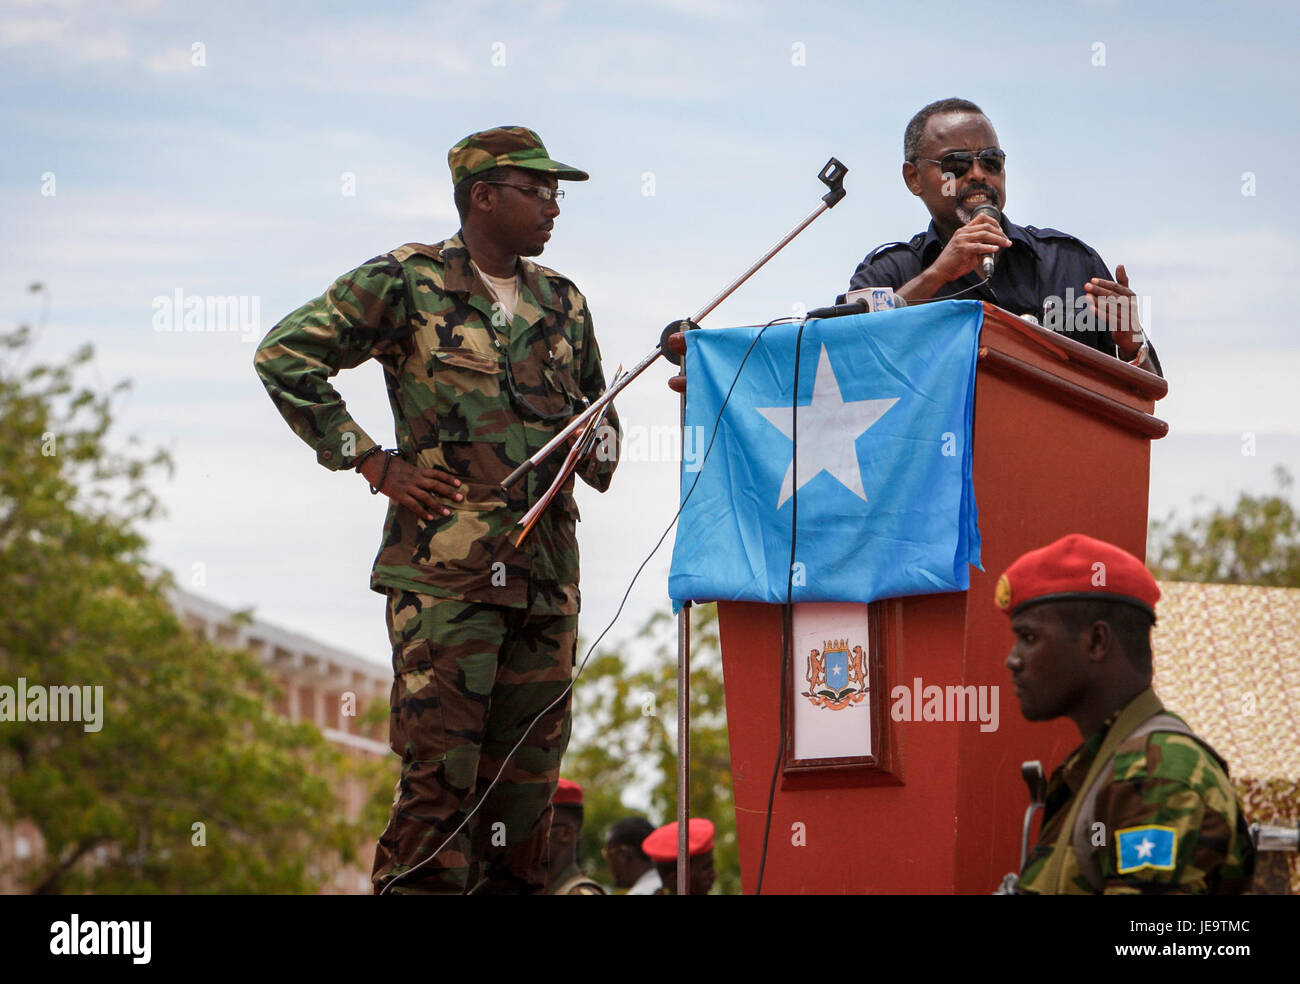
(1061, 445)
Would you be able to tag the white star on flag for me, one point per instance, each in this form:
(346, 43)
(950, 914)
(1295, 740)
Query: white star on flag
(829, 426)
(1144, 849)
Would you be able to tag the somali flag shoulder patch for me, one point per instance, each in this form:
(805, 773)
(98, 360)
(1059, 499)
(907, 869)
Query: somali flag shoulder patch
(1148, 846)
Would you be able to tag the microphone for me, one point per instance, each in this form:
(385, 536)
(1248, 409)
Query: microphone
(859, 305)
(986, 261)
(840, 310)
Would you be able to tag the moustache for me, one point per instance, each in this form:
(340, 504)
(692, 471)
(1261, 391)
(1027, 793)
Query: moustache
(985, 190)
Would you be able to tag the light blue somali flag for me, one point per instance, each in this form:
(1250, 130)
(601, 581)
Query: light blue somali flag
(1149, 846)
(885, 501)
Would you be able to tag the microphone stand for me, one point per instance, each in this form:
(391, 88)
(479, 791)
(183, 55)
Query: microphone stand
(832, 175)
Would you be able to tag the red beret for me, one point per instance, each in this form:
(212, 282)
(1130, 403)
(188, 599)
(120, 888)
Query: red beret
(662, 844)
(1077, 567)
(568, 791)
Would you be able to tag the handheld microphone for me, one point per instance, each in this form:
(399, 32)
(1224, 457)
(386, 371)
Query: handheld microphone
(986, 261)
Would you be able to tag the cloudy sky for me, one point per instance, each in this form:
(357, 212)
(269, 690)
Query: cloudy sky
(260, 150)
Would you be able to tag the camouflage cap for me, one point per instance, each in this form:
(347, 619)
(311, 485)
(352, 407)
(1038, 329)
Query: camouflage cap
(506, 146)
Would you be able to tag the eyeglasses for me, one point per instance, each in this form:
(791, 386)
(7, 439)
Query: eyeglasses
(541, 191)
(959, 161)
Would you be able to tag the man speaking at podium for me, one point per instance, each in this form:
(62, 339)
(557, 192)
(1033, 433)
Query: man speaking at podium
(953, 163)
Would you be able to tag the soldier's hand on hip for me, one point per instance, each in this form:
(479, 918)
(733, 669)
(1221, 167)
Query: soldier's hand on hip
(414, 488)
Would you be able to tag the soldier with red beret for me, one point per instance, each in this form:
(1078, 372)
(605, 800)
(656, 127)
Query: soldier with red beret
(661, 847)
(1143, 805)
(565, 877)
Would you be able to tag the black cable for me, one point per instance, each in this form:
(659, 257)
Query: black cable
(592, 648)
(787, 610)
(949, 297)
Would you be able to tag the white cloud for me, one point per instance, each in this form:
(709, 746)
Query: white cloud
(1234, 392)
(18, 31)
(1225, 280)
(171, 61)
(78, 33)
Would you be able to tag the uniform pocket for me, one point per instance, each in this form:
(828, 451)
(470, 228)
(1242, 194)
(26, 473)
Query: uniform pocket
(467, 395)
(416, 728)
(462, 547)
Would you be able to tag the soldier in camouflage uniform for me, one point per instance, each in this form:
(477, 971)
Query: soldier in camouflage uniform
(1143, 806)
(566, 878)
(486, 356)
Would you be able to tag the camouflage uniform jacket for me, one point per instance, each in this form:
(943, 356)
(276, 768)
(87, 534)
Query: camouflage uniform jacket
(1159, 783)
(424, 314)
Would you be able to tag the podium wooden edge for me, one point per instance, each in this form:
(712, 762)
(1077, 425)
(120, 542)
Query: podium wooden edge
(1010, 367)
(1109, 388)
(1100, 367)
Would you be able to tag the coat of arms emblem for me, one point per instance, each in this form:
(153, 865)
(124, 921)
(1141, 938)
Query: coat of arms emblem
(837, 676)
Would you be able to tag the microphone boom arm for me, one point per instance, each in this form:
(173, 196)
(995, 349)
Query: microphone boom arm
(832, 175)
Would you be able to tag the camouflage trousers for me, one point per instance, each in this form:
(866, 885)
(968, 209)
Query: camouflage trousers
(467, 680)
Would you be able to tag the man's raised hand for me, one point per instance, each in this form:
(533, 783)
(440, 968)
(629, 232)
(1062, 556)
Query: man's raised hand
(1115, 308)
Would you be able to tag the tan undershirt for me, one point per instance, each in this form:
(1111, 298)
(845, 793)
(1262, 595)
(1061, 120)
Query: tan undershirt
(504, 289)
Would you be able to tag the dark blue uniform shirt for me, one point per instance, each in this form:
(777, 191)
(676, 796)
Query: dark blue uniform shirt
(1041, 267)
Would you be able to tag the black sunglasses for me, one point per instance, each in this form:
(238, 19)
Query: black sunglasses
(959, 161)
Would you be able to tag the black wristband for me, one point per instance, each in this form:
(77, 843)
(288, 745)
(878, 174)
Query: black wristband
(375, 449)
(383, 475)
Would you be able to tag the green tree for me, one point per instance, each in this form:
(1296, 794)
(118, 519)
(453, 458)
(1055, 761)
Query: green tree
(626, 737)
(190, 783)
(1256, 542)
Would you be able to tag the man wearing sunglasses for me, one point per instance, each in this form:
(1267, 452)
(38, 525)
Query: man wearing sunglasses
(486, 355)
(954, 164)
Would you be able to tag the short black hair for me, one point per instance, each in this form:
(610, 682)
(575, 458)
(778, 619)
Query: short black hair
(630, 832)
(1130, 624)
(916, 126)
(460, 194)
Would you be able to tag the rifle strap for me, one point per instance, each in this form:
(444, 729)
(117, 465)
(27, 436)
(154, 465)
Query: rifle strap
(1142, 707)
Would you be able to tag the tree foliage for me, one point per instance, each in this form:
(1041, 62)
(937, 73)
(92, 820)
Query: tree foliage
(626, 740)
(1255, 542)
(192, 783)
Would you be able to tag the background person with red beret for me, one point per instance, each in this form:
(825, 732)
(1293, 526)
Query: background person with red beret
(661, 846)
(565, 877)
(1143, 805)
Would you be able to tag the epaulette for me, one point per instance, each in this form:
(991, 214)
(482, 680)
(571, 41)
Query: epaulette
(913, 244)
(1038, 233)
(550, 274)
(407, 250)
